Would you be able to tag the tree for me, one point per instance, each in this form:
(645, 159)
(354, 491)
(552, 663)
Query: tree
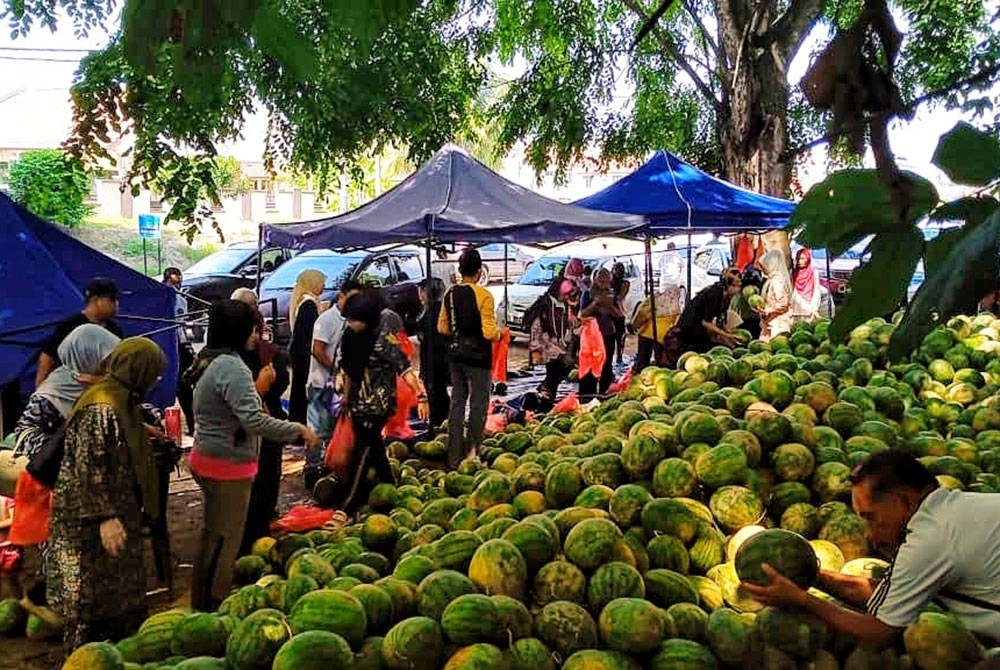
(50, 185)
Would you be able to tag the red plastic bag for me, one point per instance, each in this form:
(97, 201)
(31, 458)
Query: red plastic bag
(500, 348)
(621, 384)
(496, 422)
(567, 405)
(338, 451)
(398, 425)
(592, 352)
(405, 344)
(32, 504)
(302, 518)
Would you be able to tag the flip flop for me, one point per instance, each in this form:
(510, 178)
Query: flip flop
(337, 521)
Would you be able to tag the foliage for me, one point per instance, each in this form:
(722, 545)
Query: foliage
(52, 185)
(228, 177)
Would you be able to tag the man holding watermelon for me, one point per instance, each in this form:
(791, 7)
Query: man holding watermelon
(944, 546)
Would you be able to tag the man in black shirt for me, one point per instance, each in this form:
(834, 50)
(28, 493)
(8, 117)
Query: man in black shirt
(100, 306)
(698, 323)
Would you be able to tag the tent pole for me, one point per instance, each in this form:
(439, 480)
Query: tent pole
(826, 254)
(429, 327)
(260, 256)
(651, 293)
(690, 255)
(505, 281)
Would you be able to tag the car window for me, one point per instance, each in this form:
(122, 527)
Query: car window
(408, 268)
(709, 261)
(221, 262)
(337, 268)
(377, 272)
(270, 259)
(541, 271)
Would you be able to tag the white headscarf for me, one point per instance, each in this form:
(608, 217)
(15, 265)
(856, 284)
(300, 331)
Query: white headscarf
(775, 270)
(82, 352)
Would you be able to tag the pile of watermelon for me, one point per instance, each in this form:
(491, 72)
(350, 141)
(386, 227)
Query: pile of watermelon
(617, 538)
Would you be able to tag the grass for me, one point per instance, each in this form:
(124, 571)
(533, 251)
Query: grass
(119, 238)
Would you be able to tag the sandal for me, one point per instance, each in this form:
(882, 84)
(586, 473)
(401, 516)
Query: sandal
(337, 521)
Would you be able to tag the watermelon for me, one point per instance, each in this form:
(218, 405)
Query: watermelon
(156, 633)
(412, 644)
(721, 465)
(475, 657)
(530, 653)
(591, 542)
(248, 569)
(689, 620)
(378, 606)
(455, 550)
(735, 507)
(788, 553)
(614, 580)
(497, 567)
(631, 625)
(678, 653)
(667, 551)
(314, 650)
(514, 619)
(640, 455)
(747, 442)
(440, 588)
(13, 617)
(667, 515)
(413, 568)
(625, 505)
(708, 549)
(831, 481)
(95, 656)
(770, 428)
(849, 532)
(313, 565)
(937, 641)
(471, 618)
(256, 640)
(596, 659)
(793, 462)
(796, 633)
(730, 635)
(536, 544)
(559, 580)
(666, 587)
(563, 484)
(565, 627)
(801, 518)
(529, 502)
(333, 611)
(200, 634)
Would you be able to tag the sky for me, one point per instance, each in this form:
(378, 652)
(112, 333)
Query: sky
(44, 61)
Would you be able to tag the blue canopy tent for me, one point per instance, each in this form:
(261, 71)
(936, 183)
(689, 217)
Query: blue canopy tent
(675, 196)
(43, 271)
(451, 198)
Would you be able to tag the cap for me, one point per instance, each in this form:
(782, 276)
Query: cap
(100, 287)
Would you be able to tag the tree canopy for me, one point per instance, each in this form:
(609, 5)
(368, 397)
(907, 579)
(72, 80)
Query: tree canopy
(340, 79)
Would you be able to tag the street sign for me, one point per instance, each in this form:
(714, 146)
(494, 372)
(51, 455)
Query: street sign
(149, 226)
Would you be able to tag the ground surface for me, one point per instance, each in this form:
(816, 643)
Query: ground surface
(184, 518)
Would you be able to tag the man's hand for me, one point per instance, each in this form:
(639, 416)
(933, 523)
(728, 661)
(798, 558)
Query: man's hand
(423, 409)
(85, 379)
(781, 592)
(155, 434)
(309, 436)
(113, 536)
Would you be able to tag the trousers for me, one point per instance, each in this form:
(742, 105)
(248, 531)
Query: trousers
(225, 512)
(469, 386)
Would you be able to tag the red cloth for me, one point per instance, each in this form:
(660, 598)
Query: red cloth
(219, 469)
(744, 252)
(302, 518)
(804, 278)
(500, 357)
(32, 505)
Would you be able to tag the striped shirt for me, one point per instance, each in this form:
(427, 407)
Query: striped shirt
(951, 553)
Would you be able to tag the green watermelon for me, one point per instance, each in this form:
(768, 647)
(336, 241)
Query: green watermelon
(668, 515)
(796, 633)
(256, 640)
(440, 588)
(200, 634)
(678, 653)
(559, 580)
(95, 656)
(597, 659)
(471, 618)
(689, 620)
(248, 569)
(721, 465)
(938, 641)
(314, 650)
(378, 607)
(563, 484)
(591, 542)
(625, 505)
(413, 643)
(475, 657)
(497, 567)
(614, 580)
(666, 587)
(333, 611)
(793, 462)
(731, 635)
(413, 568)
(735, 507)
(631, 625)
(536, 544)
(530, 653)
(788, 553)
(566, 627)
(13, 617)
(514, 619)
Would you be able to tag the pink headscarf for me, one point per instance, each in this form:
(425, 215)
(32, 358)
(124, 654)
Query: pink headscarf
(804, 279)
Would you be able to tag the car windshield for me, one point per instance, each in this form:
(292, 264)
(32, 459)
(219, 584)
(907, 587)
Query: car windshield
(336, 269)
(221, 262)
(542, 271)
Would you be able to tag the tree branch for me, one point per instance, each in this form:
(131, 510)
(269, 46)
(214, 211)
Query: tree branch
(668, 45)
(981, 77)
(650, 22)
(788, 31)
(707, 36)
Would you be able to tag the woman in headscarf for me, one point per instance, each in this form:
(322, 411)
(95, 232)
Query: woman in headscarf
(82, 354)
(269, 369)
(370, 359)
(576, 272)
(108, 478)
(229, 422)
(303, 310)
(776, 315)
(805, 282)
(550, 322)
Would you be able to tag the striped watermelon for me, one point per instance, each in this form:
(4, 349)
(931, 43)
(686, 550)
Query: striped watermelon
(614, 580)
(497, 568)
(413, 643)
(333, 611)
(631, 625)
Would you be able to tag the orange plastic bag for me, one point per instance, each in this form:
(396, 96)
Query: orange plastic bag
(567, 405)
(32, 505)
(398, 425)
(500, 349)
(302, 518)
(592, 352)
(621, 384)
(340, 447)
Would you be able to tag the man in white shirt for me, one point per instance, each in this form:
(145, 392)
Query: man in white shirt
(944, 544)
(672, 270)
(326, 341)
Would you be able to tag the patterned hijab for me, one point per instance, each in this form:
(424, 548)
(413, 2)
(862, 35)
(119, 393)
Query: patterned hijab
(82, 352)
(132, 369)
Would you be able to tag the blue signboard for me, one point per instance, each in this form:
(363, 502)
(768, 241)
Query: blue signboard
(149, 226)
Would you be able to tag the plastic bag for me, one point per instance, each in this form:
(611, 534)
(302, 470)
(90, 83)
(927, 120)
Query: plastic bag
(32, 505)
(621, 384)
(398, 425)
(500, 349)
(496, 422)
(302, 518)
(567, 405)
(592, 354)
(338, 451)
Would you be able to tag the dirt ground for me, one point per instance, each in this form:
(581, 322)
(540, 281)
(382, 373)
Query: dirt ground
(184, 519)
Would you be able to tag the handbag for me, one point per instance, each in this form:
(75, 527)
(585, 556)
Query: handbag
(463, 347)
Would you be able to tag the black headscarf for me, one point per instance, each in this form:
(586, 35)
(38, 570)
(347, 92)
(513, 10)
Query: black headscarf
(230, 324)
(356, 348)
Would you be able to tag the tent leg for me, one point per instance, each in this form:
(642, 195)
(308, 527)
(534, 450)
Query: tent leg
(260, 256)
(429, 328)
(688, 289)
(651, 293)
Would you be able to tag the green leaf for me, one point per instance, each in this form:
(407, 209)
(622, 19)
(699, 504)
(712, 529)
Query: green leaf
(968, 156)
(970, 209)
(277, 37)
(878, 286)
(967, 271)
(849, 205)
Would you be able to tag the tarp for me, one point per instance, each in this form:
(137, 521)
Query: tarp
(43, 272)
(467, 201)
(671, 193)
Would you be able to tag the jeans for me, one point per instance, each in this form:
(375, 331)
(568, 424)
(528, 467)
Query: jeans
(318, 418)
(468, 384)
(647, 351)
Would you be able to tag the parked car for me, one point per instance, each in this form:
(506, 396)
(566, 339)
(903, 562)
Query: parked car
(446, 264)
(538, 277)
(217, 275)
(396, 272)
